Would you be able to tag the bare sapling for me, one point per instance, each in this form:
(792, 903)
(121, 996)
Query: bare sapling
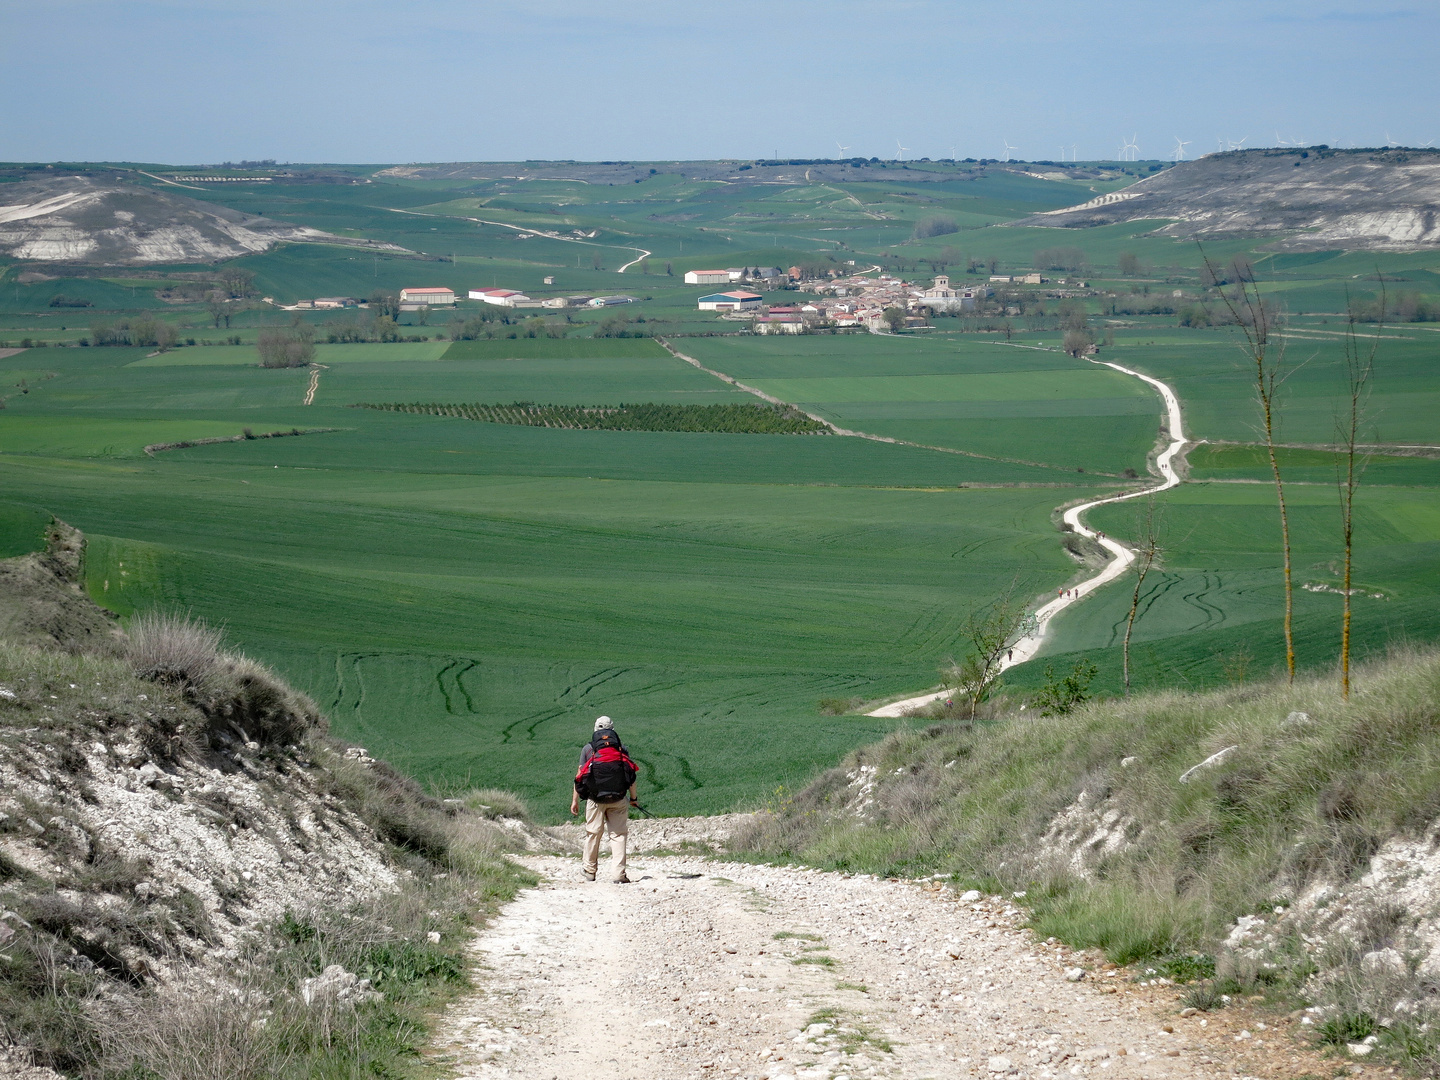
(1147, 553)
(1359, 371)
(1265, 348)
(990, 635)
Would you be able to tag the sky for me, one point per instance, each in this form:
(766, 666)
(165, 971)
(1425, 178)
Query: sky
(205, 81)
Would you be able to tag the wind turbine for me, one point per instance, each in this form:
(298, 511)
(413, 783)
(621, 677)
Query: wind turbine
(842, 149)
(902, 150)
(1279, 141)
(1389, 141)
(1130, 151)
(1239, 145)
(1008, 148)
(1073, 148)
(952, 155)
(1180, 144)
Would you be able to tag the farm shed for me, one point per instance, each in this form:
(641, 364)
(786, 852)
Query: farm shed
(739, 300)
(429, 296)
(706, 277)
(502, 297)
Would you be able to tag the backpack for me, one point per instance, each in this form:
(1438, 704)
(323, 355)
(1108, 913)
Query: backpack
(609, 772)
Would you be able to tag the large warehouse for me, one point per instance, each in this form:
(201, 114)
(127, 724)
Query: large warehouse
(707, 277)
(738, 300)
(432, 296)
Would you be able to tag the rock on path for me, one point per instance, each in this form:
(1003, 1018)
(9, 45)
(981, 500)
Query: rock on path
(702, 968)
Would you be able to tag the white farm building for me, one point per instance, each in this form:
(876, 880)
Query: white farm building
(707, 277)
(433, 297)
(502, 297)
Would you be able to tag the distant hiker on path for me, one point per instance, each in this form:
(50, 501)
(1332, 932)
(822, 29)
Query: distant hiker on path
(605, 776)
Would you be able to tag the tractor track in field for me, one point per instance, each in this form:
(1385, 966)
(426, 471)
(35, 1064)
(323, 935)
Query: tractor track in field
(315, 370)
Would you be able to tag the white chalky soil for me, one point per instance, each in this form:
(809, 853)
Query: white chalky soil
(680, 974)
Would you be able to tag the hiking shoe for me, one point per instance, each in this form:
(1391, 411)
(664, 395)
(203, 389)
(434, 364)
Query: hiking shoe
(589, 874)
(623, 879)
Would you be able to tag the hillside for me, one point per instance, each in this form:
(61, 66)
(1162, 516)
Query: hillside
(192, 873)
(74, 219)
(1348, 199)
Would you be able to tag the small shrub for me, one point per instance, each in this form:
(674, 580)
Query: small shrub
(172, 647)
(1203, 996)
(1345, 1027)
(839, 706)
(1186, 968)
(1064, 695)
(492, 803)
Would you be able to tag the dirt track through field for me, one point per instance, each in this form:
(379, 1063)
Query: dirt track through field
(315, 370)
(1121, 556)
(701, 968)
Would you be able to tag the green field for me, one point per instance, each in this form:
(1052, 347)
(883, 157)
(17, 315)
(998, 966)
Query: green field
(963, 392)
(464, 597)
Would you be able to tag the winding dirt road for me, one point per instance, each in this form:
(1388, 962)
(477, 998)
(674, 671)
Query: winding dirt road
(1026, 648)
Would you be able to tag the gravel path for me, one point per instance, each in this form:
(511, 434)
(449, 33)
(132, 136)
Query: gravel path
(1027, 647)
(702, 968)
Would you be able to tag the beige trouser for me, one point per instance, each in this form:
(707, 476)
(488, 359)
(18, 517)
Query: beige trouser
(600, 817)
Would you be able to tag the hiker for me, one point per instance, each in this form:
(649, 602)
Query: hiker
(605, 776)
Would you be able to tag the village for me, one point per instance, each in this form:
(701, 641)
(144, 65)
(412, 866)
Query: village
(835, 300)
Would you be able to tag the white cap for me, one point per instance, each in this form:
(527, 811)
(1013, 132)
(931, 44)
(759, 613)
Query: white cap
(604, 722)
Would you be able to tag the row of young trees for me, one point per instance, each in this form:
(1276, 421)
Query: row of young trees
(1263, 342)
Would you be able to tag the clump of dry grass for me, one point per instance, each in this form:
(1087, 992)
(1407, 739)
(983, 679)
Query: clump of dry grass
(493, 803)
(172, 647)
(243, 700)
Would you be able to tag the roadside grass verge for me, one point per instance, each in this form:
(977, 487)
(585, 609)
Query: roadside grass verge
(1085, 814)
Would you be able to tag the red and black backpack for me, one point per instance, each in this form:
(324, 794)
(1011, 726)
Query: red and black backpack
(608, 773)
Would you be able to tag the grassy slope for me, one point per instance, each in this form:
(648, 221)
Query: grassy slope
(1292, 803)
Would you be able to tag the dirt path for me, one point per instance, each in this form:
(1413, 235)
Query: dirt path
(315, 370)
(1122, 556)
(702, 968)
(639, 258)
(1026, 648)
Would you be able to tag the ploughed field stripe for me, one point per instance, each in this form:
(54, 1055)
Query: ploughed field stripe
(733, 419)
